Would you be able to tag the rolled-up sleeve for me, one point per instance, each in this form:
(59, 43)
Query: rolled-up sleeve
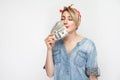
(91, 64)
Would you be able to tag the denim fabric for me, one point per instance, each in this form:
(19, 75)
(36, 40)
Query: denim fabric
(78, 64)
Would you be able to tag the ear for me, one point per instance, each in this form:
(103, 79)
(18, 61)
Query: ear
(77, 25)
(79, 22)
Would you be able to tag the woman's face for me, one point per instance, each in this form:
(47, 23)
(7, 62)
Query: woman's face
(68, 22)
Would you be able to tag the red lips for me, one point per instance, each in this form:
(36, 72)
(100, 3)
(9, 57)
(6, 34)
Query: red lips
(67, 26)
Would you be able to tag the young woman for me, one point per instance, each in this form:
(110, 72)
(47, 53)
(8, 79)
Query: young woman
(74, 56)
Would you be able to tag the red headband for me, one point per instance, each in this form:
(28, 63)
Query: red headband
(73, 8)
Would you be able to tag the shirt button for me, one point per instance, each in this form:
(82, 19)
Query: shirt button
(68, 72)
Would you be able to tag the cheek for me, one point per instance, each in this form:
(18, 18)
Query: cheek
(72, 25)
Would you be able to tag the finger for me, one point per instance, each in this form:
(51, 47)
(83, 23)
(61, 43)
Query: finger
(50, 38)
(51, 34)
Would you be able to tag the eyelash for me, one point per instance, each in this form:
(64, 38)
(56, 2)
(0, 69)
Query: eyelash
(68, 19)
(62, 19)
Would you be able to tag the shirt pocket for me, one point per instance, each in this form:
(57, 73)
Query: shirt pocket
(80, 59)
(56, 57)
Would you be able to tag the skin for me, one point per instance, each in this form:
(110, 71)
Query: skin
(70, 42)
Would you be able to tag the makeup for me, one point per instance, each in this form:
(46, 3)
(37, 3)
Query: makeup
(67, 26)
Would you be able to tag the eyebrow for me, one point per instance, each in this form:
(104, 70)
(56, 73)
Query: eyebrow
(67, 16)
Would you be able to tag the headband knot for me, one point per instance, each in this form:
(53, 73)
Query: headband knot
(69, 8)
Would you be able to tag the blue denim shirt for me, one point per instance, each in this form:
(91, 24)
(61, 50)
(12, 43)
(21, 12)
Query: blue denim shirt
(78, 64)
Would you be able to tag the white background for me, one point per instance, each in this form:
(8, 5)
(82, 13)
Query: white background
(24, 24)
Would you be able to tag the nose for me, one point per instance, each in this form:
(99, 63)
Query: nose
(65, 22)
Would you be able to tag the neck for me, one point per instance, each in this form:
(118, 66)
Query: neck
(71, 37)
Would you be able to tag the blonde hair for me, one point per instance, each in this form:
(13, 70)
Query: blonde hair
(74, 14)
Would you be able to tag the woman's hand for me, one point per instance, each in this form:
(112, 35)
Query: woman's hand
(49, 66)
(50, 40)
(93, 78)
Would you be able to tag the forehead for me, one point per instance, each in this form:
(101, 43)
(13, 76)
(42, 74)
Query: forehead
(66, 13)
